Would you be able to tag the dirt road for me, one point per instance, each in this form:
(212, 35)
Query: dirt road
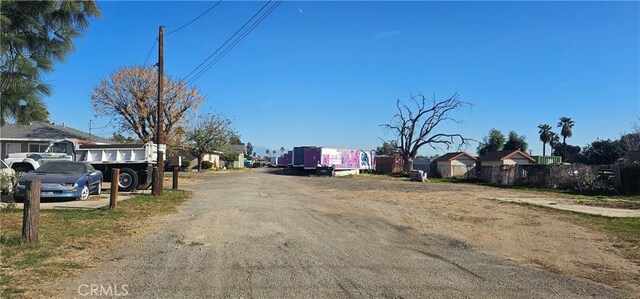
(257, 234)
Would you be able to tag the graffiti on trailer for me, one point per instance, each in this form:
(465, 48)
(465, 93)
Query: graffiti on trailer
(365, 160)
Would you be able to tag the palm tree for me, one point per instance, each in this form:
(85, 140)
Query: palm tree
(282, 150)
(545, 136)
(35, 35)
(554, 140)
(273, 152)
(566, 124)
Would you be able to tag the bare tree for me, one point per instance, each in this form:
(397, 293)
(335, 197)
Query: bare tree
(130, 95)
(414, 126)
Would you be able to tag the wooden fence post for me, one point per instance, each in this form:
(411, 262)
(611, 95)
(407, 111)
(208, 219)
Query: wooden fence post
(175, 178)
(31, 212)
(113, 196)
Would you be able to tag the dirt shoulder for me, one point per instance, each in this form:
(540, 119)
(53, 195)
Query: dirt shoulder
(600, 249)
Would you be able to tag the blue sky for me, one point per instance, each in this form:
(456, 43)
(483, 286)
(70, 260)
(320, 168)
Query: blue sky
(328, 73)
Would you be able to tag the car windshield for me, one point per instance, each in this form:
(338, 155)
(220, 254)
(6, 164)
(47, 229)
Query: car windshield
(60, 147)
(55, 167)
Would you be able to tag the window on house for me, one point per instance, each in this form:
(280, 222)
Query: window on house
(38, 147)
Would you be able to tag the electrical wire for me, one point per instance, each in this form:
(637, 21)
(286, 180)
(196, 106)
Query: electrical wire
(196, 18)
(234, 43)
(152, 47)
(107, 125)
(186, 82)
(226, 42)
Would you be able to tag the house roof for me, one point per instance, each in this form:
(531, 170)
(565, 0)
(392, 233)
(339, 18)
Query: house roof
(501, 155)
(45, 132)
(452, 156)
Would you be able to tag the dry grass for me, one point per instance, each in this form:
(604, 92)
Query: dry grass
(65, 237)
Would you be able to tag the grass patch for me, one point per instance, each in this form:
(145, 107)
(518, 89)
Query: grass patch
(64, 235)
(624, 231)
(567, 194)
(388, 177)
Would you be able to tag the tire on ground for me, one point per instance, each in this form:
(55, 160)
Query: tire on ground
(128, 179)
(142, 181)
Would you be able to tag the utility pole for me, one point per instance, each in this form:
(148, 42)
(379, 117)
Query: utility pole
(159, 170)
(89, 130)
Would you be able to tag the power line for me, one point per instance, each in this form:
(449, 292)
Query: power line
(107, 125)
(238, 40)
(180, 28)
(196, 18)
(152, 47)
(227, 41)
(242, 35)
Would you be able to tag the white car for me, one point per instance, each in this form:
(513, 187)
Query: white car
(7, 178)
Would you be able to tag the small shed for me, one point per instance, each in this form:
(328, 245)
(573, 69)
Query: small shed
(388, 164)
(458, 164)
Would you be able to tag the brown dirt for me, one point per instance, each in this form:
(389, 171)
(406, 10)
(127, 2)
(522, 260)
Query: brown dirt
(538, 237)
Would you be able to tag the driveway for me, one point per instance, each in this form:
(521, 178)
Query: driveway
(258, 234)
(93, 202)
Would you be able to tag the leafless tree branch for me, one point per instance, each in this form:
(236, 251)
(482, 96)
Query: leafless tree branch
(416, 126)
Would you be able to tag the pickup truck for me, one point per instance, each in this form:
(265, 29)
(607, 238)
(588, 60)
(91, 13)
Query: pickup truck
(135, 161)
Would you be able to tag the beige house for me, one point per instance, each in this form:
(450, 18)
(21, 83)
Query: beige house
(515, 157)
(458, 164)
(502, 167)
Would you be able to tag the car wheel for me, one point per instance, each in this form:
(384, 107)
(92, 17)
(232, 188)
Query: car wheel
(84, 193)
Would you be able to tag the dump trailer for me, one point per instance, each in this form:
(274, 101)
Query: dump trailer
(135, 161)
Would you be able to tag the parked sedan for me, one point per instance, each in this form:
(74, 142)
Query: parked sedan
(63, 179)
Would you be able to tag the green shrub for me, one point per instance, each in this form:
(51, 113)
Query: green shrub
(207, 164)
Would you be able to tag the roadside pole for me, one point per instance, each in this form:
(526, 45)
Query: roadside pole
(175, 178)
(31, 212)
(113, 196)
(159, 175)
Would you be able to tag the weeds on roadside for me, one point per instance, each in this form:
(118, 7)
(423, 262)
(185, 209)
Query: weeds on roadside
(64, 233)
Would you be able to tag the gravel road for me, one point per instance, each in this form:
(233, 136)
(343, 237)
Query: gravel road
(257, 234)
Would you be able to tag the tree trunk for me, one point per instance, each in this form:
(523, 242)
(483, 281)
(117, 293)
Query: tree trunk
(408, 164)
(199, 163)
(544, 149)
(564, 149)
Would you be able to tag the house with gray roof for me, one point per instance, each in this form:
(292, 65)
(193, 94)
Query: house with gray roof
(35, 137)
(237, 150)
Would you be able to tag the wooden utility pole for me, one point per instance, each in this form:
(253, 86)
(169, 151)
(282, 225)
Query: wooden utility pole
(159, 171)
(113, 196)
(175, 178)
(31, 212)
